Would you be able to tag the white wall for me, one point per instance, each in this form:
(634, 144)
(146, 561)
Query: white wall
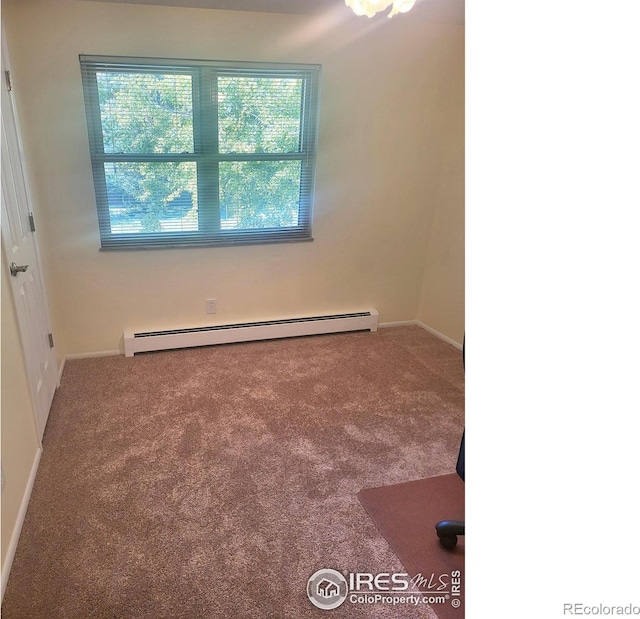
(442, 301)
(383, 168)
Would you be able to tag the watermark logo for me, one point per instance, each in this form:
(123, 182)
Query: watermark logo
(327, 589)
(600, 609)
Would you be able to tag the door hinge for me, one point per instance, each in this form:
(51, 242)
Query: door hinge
(51, 344)
(32, 222)
(7, 77)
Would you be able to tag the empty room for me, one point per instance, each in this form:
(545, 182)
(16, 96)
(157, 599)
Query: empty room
(233, 308)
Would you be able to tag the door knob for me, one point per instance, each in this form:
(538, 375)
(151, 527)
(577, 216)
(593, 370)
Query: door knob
(15, 269)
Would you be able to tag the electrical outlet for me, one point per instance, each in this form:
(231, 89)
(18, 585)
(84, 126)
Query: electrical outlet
(210, 307)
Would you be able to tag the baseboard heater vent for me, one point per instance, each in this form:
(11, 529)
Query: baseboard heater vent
(248, 332)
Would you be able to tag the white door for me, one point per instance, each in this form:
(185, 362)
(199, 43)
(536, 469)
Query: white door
(21, 253)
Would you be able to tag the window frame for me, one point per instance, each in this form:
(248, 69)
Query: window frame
(206, 154)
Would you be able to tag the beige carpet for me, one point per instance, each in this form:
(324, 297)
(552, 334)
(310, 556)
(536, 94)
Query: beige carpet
(213, 482)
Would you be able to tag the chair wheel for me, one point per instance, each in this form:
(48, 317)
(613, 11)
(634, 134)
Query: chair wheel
(448, 541)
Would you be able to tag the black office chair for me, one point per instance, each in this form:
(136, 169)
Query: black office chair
(448, 530)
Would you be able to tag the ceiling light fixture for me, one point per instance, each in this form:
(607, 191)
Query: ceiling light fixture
(371, 7)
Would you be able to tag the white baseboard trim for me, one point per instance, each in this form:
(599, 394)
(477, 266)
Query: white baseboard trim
(399, 323)
(17, 529)
(382, 325)
(85, 355)
(93, 355)
(442, 336)
(404, 323)
(60, 370)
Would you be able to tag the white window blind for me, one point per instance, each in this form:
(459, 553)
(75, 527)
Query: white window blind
(200, 152)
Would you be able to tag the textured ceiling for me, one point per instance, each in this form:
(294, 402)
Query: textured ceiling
(450, 11)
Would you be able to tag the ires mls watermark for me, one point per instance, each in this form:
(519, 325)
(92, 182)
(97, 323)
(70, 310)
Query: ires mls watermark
(327, 588)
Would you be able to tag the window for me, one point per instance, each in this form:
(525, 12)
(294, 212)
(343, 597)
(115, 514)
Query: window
(200, 152)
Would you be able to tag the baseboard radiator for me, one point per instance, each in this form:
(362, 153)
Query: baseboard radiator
(248, 332)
